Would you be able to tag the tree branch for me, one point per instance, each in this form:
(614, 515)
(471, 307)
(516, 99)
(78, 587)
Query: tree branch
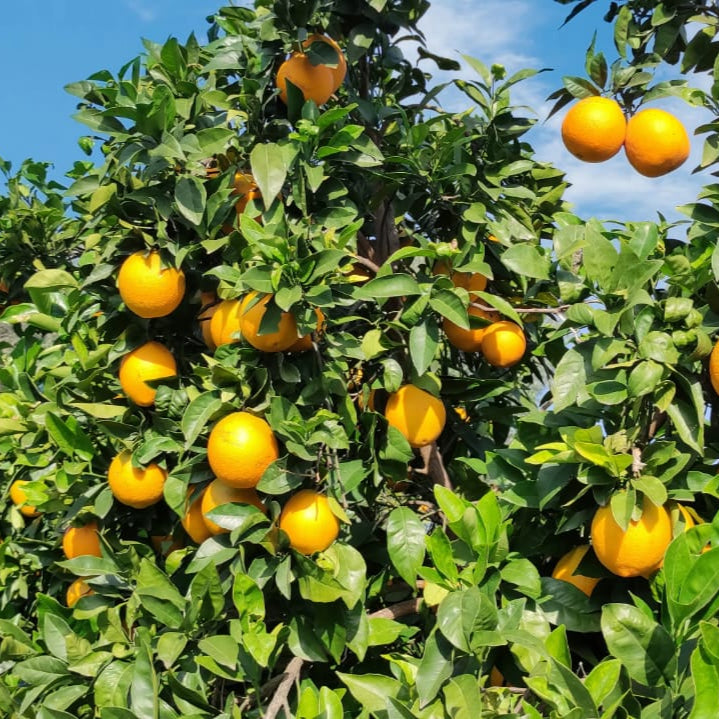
(287, 680)
(434, 465)
(401, 609)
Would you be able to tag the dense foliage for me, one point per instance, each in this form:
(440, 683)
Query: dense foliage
(442, 570)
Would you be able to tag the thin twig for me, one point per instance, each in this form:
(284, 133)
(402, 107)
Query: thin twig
(289, 677)
(359, 259)
(434, 465)
(401, 609)
(637, 464)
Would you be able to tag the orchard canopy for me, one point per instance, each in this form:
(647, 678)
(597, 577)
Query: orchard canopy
(320, 401)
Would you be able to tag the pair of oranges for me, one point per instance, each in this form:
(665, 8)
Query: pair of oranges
(654, 140)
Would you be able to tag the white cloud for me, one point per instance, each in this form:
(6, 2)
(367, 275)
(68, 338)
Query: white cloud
(142, 9)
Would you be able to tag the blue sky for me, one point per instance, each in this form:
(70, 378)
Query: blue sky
(45, 44)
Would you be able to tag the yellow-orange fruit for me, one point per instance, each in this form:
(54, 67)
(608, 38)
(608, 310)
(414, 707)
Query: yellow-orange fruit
(137, 487)
(316, 82)
(207, 311)
(309, 522)
(503, 344)
(240, 448)
(81, 541)
(594, 129)
(417, 414)
(304, 343)
(468, 340)
(151, 361)
(714, 367)
(149, 289)
(78, 589)
(473, 282)
(636, 551)
(19, 498)
(218, 493)
(193, 522)
(338, 73)
(251, 318)
(246, 187)
(225, 323)
(496, 678)
(656, 142)
(567, 565)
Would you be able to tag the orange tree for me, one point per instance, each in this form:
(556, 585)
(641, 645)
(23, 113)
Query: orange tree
(312, 399)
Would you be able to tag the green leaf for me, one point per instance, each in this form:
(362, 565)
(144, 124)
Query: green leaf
(40, 670)
(371, 690)
(569, 382)
(191, 198)
(223, 648)
(448, 304)
(394, 285)
(50, 280)
(603, 679)
(405, 543)
(144, 689)
(434, 668)
(563, 603)
(527, 260)
(423, 343)
(464, 613)
(197, 414)
(705, 676)
(658, 346)
(159, 595)
(269, 169)
(643, 646)
(644, 378)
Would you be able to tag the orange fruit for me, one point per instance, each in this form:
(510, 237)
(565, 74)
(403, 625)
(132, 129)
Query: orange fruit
(338, 73)
(81, 541)
(165, 544)
(594, 128)
(473, 282)
(225, 323)
(461, 412)
(496, 678)
(636, 551)
(316, 82)
(19, 498)
(208, 307)
(193, 522)
(417, 414)
(303, 344)
(137, 487)
(656, 142)
(218, 493)
(78, 589)
(309, 522)
(251, 318)
(245, 186)
(566, 566)
(240, 448)
(503, 344)
(149, 289)
(147, 362)
(714, 368)
(468, 340)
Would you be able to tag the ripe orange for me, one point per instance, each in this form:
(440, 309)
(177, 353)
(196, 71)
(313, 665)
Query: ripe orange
(304, 343)
(193, 522)
(78, 589)
(503, 344)
(136, 487)
(147, 362)
(225, 323)
(309, 522)
(207, 310)
(417, 414)
(566, 566)
(218, 493)
(81, 541)
(473, 282)
(149, 289)
(240, 448)
(246, 187)
(338, 73)
(315, 81)
(496, 678)
(19, 498)
(714, 368)
(251, 318)
(468, 340)
(461, 412)
(656, 142)
(594, 128)
(637, 551)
